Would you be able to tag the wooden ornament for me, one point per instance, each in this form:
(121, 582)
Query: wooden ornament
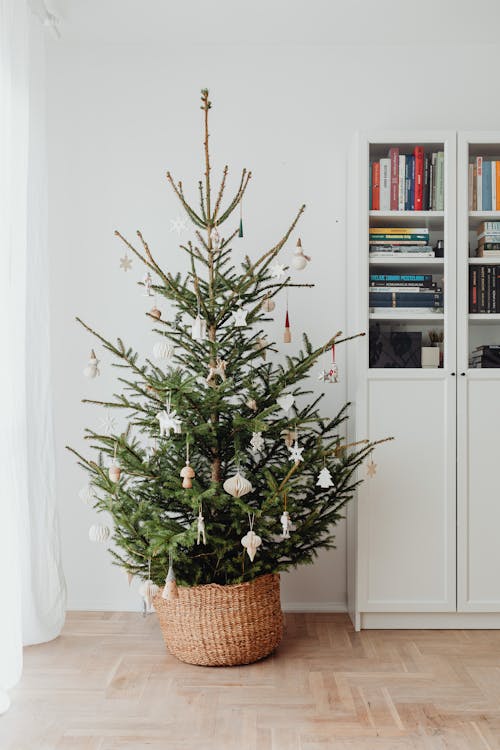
(114, 472)
(219, 369)
(268, 304)
(155, 313)
(299, 260)
(170, 591)
(187, 474)
(287, 335)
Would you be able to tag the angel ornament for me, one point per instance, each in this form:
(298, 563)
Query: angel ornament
(201, 528)
(219, 369)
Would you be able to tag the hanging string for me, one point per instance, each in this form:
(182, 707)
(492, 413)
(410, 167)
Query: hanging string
(149, 568)
(251, 519)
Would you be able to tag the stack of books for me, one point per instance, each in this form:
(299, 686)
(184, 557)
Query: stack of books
(484, 289)
(484, 185)
(485, 356)
(407, 182)
(400, 241)
(404, 292)
(488, 239)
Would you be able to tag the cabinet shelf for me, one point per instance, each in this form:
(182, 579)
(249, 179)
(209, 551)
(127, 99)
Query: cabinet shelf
(485, 261)
(420, 262)
(484, 318)
(431, 219)
(476, 217)
(401, 316)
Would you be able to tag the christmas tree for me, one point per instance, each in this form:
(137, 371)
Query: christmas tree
(226, 470)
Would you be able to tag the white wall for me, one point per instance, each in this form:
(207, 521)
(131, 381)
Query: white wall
(119, 116)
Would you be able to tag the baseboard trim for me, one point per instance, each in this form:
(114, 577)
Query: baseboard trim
(311, 607)
(430, 620)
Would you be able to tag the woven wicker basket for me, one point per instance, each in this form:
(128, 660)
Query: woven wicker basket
(223, 625)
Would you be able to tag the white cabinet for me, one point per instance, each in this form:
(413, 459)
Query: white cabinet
(423, 533)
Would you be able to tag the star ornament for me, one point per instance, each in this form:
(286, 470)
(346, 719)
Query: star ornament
(371, 468)
(257, 442)
(178, 224)
(126, 263)
(278, 271)
(296, 453)
(240, 317)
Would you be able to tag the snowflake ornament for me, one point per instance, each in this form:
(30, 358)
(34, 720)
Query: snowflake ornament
(257, 442)
(371, 468)
(296, 453)
(126, 263)
(108, 424)
(178, 224)
(278, 271)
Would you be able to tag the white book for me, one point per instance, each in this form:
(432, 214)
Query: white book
(385, 184)
(402, 182)
(493, 184)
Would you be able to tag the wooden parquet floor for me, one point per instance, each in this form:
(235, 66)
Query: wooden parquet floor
(108, 683)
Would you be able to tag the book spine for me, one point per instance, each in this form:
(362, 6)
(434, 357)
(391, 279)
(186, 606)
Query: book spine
(487, 294)
(399, 230)
(394, 158)
(407, 182)
(370, 187)
(426, 202)
(388, 238)
(493, 185)
(493, 282)
(376, 186)
(481, 303)
(412, 183)
(385, 184)
(401, 182)
(410, 277)
(473, 290)
(434, 175)
(486, 186)
(479, 183)
(471, 187)
(497, 286)
(419, 178)
(440, 182)
(488, 226)
(496, 207)
(489, 246)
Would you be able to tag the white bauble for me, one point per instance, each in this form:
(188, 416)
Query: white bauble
(268, 305)
(86, 494)
(4, 702)
(148, 590)
(237, 486)
(299, 262)
(90, 371)
(98, 533)
(163, 350)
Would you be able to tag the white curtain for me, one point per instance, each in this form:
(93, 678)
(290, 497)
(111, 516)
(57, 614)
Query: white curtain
(31, 578)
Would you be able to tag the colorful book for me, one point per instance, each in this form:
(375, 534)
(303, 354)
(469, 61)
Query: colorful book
(493, 185)
(419, 178)
(401, 182)
(479, 183)
(486, 187)
(394, 158)
(376, 186)
(440, 181)
(471, 187)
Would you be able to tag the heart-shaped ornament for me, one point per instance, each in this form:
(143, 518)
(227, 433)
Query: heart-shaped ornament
(286, 401)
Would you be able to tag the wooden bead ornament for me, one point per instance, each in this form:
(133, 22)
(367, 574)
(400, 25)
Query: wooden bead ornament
(92, 368)
(287, 334)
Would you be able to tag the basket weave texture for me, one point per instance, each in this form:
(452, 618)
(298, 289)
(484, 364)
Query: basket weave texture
(217, 625)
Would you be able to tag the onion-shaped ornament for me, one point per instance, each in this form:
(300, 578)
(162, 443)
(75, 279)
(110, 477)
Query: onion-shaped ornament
(163, 350)
(299, 260)
(237, 486)
(187, 474)
(114, 472)
(155, 313)
(92, 368)
(251, 541)
(148, 590)
(99, 533)
(86, 494)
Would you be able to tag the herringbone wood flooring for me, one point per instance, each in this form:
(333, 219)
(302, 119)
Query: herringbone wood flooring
(107, 683)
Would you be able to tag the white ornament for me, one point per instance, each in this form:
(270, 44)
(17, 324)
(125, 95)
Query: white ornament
(178, 224)
(108, 424)
(286, 401)
(218, 369)
(286, 523)
(148, 590)
(86, 494)
(125, 263)
(257, 442)
(215, 237)
(278, 271)
(268, 305)
(169, 421)
(331, 375)
(199, 329)
(296, 453)
(240, 317)
(148, 284)
(371, 468)
(92, 369)
(170, 590)
(299, 260)
(325, 478)
(251, 541)
(114, 472)
(163, 350)
(98, 533)
(237, 486)
(201, 528)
